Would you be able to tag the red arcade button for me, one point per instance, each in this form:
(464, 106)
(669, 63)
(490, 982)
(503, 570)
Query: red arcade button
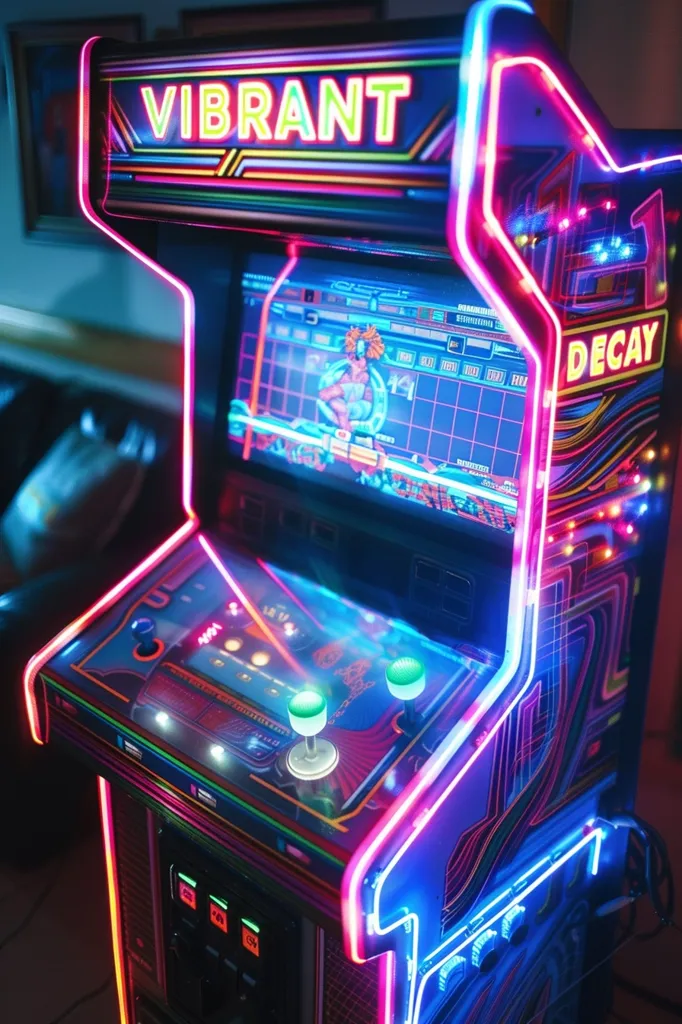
(251, 937)
(186, 890)
(217, 913)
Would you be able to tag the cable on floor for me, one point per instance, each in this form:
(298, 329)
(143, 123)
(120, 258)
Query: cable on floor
(33, 909)
(82, 1000)
(648, 995)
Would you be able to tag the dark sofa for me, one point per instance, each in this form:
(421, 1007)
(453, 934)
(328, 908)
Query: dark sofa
(43, 792)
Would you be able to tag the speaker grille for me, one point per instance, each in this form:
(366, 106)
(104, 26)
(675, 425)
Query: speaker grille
(135, 881)
(350, 990)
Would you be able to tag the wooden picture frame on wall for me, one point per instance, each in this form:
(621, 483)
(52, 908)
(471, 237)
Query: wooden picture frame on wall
(43, 60)
(248, 18)
(556, 16)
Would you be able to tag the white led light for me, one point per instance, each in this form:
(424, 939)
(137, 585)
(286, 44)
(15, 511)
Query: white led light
(162, 718)
(217, 752)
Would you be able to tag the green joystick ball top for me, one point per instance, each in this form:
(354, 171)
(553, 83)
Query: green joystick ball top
(308, 712)
(405, 678)
(312, 759)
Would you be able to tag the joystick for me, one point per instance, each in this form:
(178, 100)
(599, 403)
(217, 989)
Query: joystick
(406, 680)
(144, 634)
(312, 759)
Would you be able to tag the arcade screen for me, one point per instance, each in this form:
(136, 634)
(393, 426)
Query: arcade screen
(402, 383)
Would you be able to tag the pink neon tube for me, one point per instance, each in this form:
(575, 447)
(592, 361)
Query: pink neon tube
(72, 630)
(250, 606)
(108, 838)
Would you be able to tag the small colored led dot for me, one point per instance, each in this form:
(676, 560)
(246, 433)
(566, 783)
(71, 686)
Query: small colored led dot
(614, 510)
(643, 508)
(550, 539)
(608, 205)
(569, 549)
(582, 212)
(571, 525)
(608, 552)
(601, 513)
(233, 643)
(629, 528)
(564, 223)
(603, 256)
(636, 478)
(289, 628)
(233, 608)
(650, 454)
(627, 251)
(260, 658)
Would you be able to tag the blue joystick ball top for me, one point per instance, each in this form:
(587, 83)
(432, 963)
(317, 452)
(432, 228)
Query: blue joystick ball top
(144, 633)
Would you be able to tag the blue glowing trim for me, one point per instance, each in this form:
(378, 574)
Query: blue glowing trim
(451, 947)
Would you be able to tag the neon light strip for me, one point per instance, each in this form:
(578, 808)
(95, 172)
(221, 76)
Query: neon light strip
(263, 426)
(72, 630)
(266, 59)
(386, 986)
(184, 292)
(234, 184)
(594, 835)
(250, 607)
(107, 817)
(590, 130)
(297, 69)
(78, 625)
(260, 345)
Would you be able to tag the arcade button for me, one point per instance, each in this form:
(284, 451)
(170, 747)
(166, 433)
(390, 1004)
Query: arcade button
(185, 890)
(147, 644)
(217, 914)
(406, 680)
(313, 759)
(251, 937)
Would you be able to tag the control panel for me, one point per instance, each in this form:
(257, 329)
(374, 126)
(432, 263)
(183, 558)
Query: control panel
(231, 957)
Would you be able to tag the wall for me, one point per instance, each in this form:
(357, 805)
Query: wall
(97, 284)
(627, 52)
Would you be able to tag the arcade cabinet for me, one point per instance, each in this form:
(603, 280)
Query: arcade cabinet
(361, 725)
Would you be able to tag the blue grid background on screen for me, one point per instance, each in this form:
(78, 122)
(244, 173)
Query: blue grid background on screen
(447, 421)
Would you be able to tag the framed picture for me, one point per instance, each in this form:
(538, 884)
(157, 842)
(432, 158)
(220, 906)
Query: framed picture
(240, 20)
(43, 59)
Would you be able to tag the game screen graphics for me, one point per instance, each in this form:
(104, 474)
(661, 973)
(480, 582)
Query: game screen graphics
(401, 382)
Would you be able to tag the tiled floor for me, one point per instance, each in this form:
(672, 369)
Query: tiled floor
(64, 952)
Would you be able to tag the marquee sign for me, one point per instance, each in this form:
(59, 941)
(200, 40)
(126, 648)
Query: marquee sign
(613, 351)
(359, 138)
